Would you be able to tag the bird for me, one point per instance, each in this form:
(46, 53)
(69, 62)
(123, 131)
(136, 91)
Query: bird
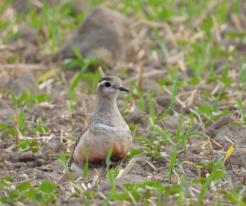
(107, 131)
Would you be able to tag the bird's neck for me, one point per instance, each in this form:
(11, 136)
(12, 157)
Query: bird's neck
(107, 110)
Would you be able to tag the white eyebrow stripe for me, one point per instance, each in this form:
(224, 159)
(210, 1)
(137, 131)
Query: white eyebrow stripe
(101, 83)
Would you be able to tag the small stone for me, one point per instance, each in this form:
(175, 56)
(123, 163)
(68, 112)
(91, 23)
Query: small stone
(172, 122)
(53, 147)
(138, 117)
(152, 86)
(164, 101)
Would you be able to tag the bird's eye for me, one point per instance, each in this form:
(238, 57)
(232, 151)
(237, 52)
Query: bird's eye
(107, 84)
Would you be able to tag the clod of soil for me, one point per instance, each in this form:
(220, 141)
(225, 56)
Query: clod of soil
(238, 158)
(104, 35)
(228, 135)
(172, 122)
(16, 160)
(149, 85)
(26, 33)
(214, 127)
(138, 117)
(52, 147)
(6, 112)
(231, 134)
(165, 102)
(22, 82)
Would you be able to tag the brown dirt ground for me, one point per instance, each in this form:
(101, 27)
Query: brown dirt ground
(64, 125)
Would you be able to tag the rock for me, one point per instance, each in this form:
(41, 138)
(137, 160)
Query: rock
(164, 101)
(171, 122)
(152, 86)
(104, 35)
(138, 117)
(52, 147)
(22, 82)
(57, 165)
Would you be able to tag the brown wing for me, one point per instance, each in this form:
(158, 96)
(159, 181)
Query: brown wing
(70, 161)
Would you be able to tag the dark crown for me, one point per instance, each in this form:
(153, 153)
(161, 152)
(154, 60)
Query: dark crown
(114, 79)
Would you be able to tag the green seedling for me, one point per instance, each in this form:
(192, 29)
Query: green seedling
(111, 176)
(242, 110)
(27, 99)
(236, 196)
(242, 74)
(39, 127)
(86, 168)
(138, 96)
(184, 132)
(216, 171)
(50, 35)
(83, 64)
(44, 193)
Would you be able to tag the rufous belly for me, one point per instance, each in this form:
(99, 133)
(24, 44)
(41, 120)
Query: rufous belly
(96, 145)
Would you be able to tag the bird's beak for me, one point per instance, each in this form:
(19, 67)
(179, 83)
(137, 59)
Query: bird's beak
(123, 89)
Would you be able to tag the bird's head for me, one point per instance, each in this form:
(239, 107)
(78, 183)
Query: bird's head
(110, 86)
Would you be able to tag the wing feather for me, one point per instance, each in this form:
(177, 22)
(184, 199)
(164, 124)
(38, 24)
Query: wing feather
(70, 161)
